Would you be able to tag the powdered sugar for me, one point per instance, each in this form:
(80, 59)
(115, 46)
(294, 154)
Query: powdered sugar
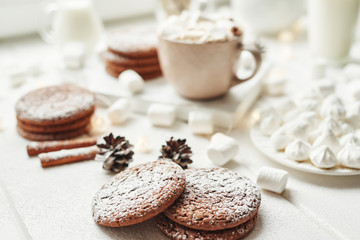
(54, 156)
(55, 102)
(215, 198)
(138, 193)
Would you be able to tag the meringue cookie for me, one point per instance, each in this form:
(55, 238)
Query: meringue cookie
(330, 123)
(280, 139)
(309, 117)
(268, 111)
(312, 94)
(349, 138)
(298, 150)
(349, 156)
(323, 157)
(275, 86)
(291, 115)
(309, 105)
(270, 124)
(329, 139)
(346, 129)
(353, 115)
(297, 129)
(313, 135)
(333, 107)
(285, 105)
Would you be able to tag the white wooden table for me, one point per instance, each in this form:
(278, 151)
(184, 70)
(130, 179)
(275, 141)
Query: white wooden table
(55, 203)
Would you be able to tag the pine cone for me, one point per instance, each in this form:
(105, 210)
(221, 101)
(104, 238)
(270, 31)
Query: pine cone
(116, 153)
(177, 151)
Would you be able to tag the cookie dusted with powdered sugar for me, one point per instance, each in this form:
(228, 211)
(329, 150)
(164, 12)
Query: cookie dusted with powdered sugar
(176, 231)
(55, 105)
(138, 193)
(215, 199)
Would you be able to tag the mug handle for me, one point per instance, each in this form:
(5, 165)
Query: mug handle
(46, 30)
(256, 52)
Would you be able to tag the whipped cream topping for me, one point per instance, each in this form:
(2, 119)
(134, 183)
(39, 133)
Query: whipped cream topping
(328, 138)
(323, 157)
(200, 28)
(298, 150)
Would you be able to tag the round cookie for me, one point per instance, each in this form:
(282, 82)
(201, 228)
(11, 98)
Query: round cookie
(55, 128)
(111, 58)
(53, 136)
(215, 199)
(146, 76)
(176, 231)
(138, 193)
(139, 69)
(55, 105)
(133, 43)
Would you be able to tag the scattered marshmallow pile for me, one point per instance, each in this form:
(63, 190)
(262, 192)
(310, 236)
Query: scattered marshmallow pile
(320, 128)
(199, 28)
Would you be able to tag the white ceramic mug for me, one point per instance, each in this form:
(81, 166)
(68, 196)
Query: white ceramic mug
(71, 21)
(331, 27)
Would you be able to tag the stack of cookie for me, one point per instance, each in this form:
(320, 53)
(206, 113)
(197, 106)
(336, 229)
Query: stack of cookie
(134, 49)
(55, 113)
(213, 203)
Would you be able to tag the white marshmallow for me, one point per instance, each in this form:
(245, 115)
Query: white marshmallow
(275, 86)
(132, 81)
(298, 150)
(119, 111)
(323, 157)
(272, 179)
(73, 55)
(318, 69)
(161, 115)
(222, 149)
(280, 139)
(200, 122)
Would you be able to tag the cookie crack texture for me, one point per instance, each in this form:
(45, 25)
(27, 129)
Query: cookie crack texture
(215, 199)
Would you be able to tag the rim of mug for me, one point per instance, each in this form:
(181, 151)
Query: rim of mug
(237, 39)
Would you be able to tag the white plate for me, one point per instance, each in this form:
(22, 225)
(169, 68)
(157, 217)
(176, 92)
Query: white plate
(263, 144)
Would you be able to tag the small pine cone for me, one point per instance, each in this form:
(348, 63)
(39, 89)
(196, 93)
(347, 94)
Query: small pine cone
(177, 151)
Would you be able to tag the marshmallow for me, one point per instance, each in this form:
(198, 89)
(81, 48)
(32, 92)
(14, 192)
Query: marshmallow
(17, 76)
(200, 122)
(272, 179)
(317, 70)
(73, 55)
(323, 157)
(162, 115)
(298, 150)
(132, 81)
(222, 149)
(119, 111)
(275, 86)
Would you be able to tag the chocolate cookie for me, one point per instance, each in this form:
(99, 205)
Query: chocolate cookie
(215, 199)
(115, 72)
(176, 231)
(138, 193)
(111, 58)
(55, 105)
(53, 136)
(55, 128)
(133, 43)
